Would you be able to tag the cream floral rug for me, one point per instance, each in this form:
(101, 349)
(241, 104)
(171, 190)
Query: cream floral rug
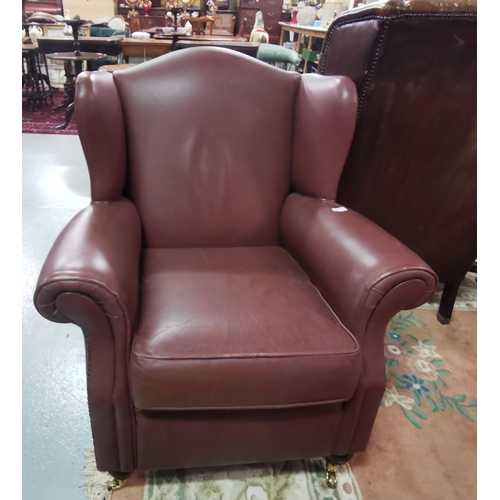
(291, 480)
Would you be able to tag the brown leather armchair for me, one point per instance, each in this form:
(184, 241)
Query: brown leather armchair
(412, 168)
(233, 311)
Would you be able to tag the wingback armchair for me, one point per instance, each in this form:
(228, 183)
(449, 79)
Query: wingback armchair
(412, 167)
(233, 312)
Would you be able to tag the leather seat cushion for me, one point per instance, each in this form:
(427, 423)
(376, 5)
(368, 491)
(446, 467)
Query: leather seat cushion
(234, 328)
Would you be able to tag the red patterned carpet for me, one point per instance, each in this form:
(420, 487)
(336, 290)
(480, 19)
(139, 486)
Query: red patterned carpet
(44, 121)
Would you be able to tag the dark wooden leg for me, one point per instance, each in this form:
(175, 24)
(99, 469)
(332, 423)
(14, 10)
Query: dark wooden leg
(332, 463)
(69, 87)
(119, 480)
(67, 117)
(447, 302)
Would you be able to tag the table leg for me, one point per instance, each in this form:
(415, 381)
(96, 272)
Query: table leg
(67, 116)
(282, 35)
(70, 103)
(51, 88)
(309, 46)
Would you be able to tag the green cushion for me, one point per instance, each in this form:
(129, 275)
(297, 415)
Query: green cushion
(276, 53)
(105, 31)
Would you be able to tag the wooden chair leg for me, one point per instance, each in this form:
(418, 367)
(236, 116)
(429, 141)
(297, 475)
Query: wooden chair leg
(447, 302)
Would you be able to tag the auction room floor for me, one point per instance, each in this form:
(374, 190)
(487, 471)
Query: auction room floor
(56, 425)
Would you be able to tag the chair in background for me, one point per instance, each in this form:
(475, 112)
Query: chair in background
(280, 56)
(248, 48)
(104, 31)
(201, 24)
(233, 311)
(412, 165)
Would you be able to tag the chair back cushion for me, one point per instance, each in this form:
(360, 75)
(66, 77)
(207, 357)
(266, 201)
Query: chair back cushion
(209, 134)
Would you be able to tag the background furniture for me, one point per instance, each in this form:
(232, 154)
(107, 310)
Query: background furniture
(275, 54)
(50, 6)
(202, 23)
(36, 85)
(109, 45)
(154, 48)
(310, 31)
(75, 58)
(248, 48)
(144, 48)
(104, 32)
(209, 343)
(56, 29)
(412, 165)
(271, 13)
(68, 103)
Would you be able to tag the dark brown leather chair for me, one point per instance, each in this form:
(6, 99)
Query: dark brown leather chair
(233, 311)
(412, 165)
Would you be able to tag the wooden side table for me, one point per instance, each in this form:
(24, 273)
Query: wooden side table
(77, 60)
(310, 31)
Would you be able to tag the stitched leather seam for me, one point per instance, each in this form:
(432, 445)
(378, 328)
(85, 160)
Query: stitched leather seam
(256, 407)
(371, 71)
(258, 356)
(363, 367)
(78, 280)
(385, 276)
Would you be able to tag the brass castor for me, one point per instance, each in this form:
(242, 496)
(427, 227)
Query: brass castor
(331, 475)
(116, 484)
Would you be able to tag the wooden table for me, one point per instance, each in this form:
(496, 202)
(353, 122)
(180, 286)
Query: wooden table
(77, 59)
(110, 45)
(132, 47)
(310, 31)
(215, 32)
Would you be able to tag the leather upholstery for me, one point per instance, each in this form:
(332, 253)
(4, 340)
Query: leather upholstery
(102, 133)
(324, 126)
(236, 328)
(352, 261)
(91, 278)
(412, 168)
(234, 437)
(252, 326)
(223, 164)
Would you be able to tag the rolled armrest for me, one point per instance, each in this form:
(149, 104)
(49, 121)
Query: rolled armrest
(355, 264)
(96, 255)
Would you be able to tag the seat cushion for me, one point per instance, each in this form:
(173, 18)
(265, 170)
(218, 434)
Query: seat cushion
(233, 328)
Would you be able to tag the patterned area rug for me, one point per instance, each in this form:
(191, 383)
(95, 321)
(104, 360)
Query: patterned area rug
(423, 444)
(44, 121)
(292, 480)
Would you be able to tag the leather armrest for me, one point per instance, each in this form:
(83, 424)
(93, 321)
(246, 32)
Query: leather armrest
(91, 278)
(356, 265)
(96, 255)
